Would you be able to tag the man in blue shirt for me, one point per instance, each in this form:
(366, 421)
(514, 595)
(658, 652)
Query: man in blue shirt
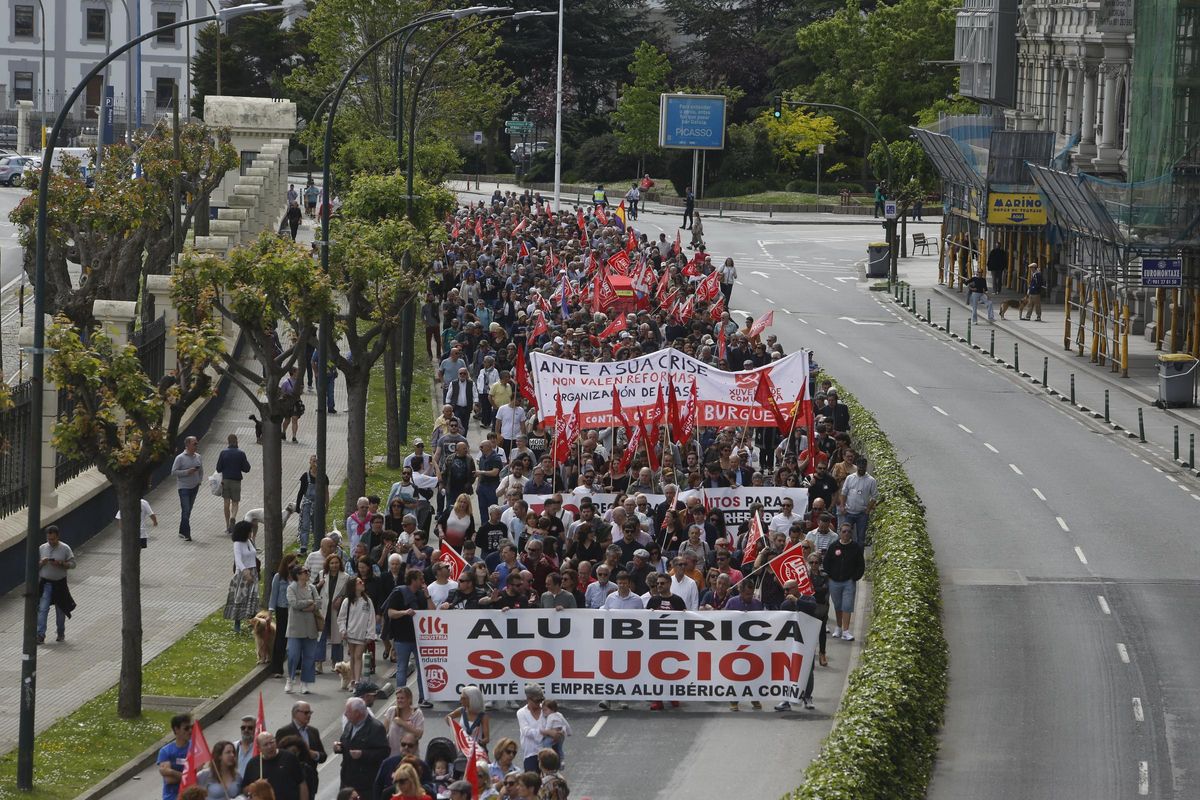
(232, 464)
(173, 756)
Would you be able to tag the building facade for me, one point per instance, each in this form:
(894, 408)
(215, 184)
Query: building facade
(47, 46)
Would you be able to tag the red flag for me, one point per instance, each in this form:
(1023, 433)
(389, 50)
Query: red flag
(496, 228)
(677, 246)
(560, 428)
(616, 326)
(455, 230)
(461, 740)
(691, 269)
(790, 566)
(754, 540)
(709, 287)
(538, 329)
(583, 237)
(606, 295)
(579, 219)
(198, 755)
(633, 440)
(524, 383)
(688, 423)
(761, 324)
(630, 241)
(664, 283)
(687, 309)
(651, 454)
(447, 555)
(675, 423)
(574, 423)
(520, 226)
(618, 414)
(619, 262)
(479, 227)
(656, 420)
(523, 250)
(714, 313)
(668, 301)
(472, 768)
(721, 341)
(765, 396)
(600, 215)
(260, 724)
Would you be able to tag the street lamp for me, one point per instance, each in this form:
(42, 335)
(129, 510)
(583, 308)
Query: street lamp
(891, 172)
(25, 740)
(326, 209)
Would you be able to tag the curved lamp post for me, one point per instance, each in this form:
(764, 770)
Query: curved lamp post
(25, 741)
(326, 211)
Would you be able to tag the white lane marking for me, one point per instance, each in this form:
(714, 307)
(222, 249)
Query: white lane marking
(1015, 469)
(843, 344)
(1103, 604)
(761, 274)
(786, 310)
(965, 428)
(1082, 557)
(1039, 494)
(1196, 497)
(1143, 778)
(823, 333)
(1123, 652)
(802, 319)
(1138, 714)
(890, 375)
(1172, 480)
(940, 411)
(989, 447)
(911, 389)
(769, 300)
(864, 358)
(1062, 523)
(755, 291)
(596, 728)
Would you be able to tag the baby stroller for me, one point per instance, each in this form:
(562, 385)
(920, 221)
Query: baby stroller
(442, 748)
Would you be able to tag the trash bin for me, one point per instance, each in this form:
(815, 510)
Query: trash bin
(1176, 379)
(878, 254)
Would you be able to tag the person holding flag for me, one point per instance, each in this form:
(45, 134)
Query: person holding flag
(220, 778)
(173, 756)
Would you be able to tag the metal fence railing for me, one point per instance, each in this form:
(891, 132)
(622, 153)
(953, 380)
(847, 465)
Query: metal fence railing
(66, 468)
(150, 340)
(14, 439)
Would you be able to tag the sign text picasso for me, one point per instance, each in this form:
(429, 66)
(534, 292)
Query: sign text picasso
(623, 655)
(691, 121)
(1015, 208)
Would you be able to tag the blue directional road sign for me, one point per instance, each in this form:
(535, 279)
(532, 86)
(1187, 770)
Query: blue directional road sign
(691, 121)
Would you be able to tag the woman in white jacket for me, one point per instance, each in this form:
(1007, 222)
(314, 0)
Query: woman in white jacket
(356, 620)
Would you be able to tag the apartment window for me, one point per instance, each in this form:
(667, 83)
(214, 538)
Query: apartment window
(23, 86)
(164, 91)
(162, 19)
(96, 24)
(23, 21)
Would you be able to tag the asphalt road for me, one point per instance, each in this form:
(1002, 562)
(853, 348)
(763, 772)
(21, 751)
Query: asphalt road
(1068, 559)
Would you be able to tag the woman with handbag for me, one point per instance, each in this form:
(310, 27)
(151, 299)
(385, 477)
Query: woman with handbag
(242, 601)
(356, 619)
(304, 626)
(331, 585)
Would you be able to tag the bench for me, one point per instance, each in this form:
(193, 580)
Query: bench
(920, 241)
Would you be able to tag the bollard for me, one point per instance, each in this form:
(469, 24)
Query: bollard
(914, 302)
(1141, 426)
(1072, 388)
(1016, 357)
(947, 319)
(992, 346)
(1175, 447)
(1191, 451)
(1106, 405)
(721, 209)
(968, 331)
(928, 311)
(1045, 372)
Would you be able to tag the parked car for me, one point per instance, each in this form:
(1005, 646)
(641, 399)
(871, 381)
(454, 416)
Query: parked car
(8, 135)
(12, 169)
(527, 149)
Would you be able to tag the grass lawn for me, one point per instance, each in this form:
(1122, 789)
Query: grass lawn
(792, 197)
(79, 750)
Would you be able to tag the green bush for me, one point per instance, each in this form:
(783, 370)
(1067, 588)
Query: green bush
(598, 159)
(884, 737)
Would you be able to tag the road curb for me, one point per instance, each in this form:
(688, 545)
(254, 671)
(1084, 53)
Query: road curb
(206, 713)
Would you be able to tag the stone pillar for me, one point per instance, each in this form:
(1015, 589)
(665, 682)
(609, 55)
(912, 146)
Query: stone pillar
(49, 417)
(1077, 96)
(159, 287)
(1088, 133)
(1108, 153)
(24, 113)
(114, 317)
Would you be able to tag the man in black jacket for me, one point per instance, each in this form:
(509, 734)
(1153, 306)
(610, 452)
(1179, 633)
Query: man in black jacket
(280, 768)
(844, 565)
(363, 747)
(301, 725)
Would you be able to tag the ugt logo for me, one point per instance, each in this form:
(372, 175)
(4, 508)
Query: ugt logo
(432, 628)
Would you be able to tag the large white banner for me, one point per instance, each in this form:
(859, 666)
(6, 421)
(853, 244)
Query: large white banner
(723, 398)
(735, 503)
(617, 655)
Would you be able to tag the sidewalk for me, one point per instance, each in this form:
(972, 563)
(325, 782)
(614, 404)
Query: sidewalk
(182, 582)
(1039, 346)
(464, 189)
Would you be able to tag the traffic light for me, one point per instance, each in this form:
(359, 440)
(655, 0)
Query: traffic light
(778, 106)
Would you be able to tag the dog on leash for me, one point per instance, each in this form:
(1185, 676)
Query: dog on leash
(342, 668)
(257, 429)
(264, 635)
(1008, 305)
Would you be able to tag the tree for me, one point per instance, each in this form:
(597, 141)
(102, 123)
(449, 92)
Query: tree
(636, 117)
(262, 287)
(797, 133)
(368, 266)
(257, 54)
(127, 424)
(121, 229)
(882, 62)
(914, 177)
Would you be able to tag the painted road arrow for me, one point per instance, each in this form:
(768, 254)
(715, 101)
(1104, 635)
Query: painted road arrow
(856, 322)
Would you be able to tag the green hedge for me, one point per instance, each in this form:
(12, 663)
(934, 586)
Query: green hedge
(884, 737)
